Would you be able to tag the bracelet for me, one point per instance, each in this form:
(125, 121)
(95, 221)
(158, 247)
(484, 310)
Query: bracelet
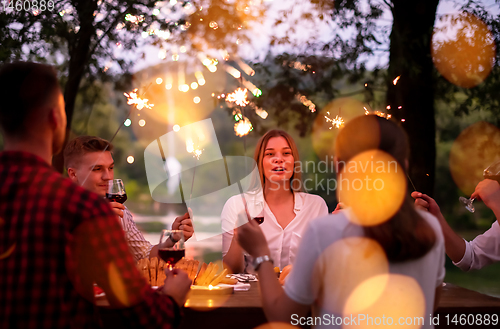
(261, 259)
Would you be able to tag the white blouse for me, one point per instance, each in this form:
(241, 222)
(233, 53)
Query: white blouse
(283, 243)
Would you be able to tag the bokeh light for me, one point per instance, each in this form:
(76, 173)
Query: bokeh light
(127, 123)
(142, 122)
(159, 81)
(173, 106)
(196, 100)
(390, 296)
(130, 159)
(351, 260)
(477, 147)
(463, 49)
(373, 185)
(176, 128)
(168, 86)
(194, 85)
(323, 138)
(184, 88)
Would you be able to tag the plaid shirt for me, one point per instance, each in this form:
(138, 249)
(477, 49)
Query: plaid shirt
(56, 240)
(139, 246)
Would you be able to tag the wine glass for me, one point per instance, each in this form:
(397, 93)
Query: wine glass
(492, 172)
(171, 248)
(256, 210)
(116, 191)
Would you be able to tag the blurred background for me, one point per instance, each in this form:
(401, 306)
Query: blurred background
(305, 66)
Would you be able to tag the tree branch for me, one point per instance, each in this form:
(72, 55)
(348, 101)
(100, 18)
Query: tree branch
(112, 26)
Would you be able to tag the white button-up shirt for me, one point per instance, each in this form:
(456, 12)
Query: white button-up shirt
(482, 251)
(283, 242)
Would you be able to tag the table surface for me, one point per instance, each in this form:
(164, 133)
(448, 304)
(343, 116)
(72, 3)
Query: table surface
(243, 309)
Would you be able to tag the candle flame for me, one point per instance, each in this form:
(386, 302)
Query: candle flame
(395, 81)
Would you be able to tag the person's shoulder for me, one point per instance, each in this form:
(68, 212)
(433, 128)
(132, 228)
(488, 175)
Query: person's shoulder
(432, 221)
(78, 198)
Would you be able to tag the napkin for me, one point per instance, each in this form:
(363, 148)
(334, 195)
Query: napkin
(237, 287)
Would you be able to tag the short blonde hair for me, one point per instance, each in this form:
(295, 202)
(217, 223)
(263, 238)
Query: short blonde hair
(82, 145)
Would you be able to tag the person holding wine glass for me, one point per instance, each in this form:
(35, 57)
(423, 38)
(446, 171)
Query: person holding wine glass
(90, 163)
(347, 264)
(58, 238)
(286, 210)
(482, 250)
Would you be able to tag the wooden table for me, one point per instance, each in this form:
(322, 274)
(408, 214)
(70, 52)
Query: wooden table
(243, 309)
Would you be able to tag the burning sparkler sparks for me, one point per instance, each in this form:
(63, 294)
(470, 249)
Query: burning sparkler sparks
(239, 97)
(337, 122)
(243, 127)
(134, 99)
(191, 149)
(395, 81)
(306, 102)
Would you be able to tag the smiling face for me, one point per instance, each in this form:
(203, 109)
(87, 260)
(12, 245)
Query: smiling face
(278, 161)
(93, 171)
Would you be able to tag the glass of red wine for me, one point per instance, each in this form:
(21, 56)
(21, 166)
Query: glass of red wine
(256, 210)
(171, 247)
(116, 191)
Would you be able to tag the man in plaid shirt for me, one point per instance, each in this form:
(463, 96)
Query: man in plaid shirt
(56, 238)
(90, 164)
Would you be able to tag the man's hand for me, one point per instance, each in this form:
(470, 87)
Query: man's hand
(251, 238)
(184, 224)
(177, 285)
(489, 192)
(118, 208)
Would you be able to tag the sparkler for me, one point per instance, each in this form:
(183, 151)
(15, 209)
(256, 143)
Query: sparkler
(239, 97)
(306, 102)
(134, 99)
(337, 122)
(196, 152)
(243, 127)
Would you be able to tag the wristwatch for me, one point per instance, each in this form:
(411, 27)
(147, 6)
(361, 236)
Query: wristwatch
(261, 259)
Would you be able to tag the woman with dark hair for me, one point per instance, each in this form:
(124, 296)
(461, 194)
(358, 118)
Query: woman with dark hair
(286, 209)
(379, 257)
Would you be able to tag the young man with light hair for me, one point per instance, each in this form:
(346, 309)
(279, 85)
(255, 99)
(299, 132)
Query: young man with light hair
(90, 163)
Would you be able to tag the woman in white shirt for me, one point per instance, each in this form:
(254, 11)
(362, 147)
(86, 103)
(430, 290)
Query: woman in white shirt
(352, 272)
(287, 210)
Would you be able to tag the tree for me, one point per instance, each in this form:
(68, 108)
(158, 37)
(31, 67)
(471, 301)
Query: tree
(411, 98)
(91, 39)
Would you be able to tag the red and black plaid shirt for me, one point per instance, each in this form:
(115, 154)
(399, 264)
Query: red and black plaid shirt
(56, 240)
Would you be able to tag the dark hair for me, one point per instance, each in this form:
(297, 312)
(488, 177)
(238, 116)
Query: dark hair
(82, 145)
(25, 87)
(296, 183)
(406, 235)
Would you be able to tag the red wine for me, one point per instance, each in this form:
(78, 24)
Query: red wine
(259, 220)
(171, 256)
(121, 198)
